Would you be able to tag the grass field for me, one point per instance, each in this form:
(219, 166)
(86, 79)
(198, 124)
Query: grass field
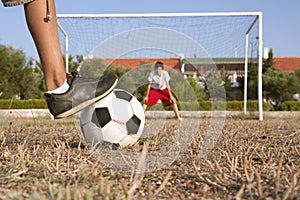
(45, 159)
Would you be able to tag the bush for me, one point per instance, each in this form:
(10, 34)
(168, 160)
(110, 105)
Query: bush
(236, 105)
(23, 104)
(290, 106)
(252, 105)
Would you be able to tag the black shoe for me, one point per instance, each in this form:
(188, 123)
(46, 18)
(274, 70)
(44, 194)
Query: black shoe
(82, 93)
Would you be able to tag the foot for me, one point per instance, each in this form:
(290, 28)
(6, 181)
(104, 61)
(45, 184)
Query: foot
(82, 93)
(179, 118)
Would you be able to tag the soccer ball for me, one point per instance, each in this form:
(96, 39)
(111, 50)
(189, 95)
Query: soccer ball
(118, 119)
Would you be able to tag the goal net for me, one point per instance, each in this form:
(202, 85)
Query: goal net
(199, 45)
(193, 44)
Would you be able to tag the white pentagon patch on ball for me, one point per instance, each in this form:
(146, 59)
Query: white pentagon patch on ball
(118, 118)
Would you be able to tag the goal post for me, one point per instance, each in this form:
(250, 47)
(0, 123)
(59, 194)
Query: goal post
(260, 105)
(223, 37)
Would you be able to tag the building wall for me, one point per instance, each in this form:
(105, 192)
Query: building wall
(135, 62)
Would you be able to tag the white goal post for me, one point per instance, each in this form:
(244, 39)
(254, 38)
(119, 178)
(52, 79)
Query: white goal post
(220, 34)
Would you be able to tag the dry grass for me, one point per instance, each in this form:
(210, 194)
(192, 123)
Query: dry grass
(45, 159)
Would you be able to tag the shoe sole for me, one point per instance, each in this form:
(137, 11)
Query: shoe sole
(86, 103)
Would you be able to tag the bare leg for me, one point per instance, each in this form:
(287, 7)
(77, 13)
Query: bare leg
(145, 107)
(45, 36)
(176, 111)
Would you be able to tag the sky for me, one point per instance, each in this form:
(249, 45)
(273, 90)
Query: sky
(281, 19)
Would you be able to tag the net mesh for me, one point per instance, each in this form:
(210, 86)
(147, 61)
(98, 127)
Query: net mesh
(216, 36)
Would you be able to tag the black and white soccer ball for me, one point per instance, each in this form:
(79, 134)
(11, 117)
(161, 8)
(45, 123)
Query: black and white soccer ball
(118, 119)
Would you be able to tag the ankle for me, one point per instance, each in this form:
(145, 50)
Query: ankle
(61, 89)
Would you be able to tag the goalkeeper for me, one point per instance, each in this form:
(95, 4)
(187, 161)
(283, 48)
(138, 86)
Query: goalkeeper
(159, 89)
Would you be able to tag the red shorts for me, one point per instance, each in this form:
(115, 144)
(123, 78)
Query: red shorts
(155, 95)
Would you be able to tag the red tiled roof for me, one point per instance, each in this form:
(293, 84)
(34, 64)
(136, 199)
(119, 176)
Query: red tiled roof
(135, 62)
(287, 64)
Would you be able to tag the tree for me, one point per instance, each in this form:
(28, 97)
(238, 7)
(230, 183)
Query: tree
(252, 82)
(18, 76)
(74, 62)
(297, 73)
(29, 83)
(200, 92)
(277, 85)
(280, 86)
(215, 83)
(269, 62)
(92, 68)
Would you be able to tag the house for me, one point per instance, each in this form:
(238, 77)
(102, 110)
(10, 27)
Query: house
(198, 66)
(287, 64)
(133, 63)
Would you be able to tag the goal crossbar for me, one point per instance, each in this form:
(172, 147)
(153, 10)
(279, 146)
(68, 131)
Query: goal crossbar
(213, 14)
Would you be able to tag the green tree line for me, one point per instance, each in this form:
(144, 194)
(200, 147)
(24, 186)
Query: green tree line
(22, 78)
